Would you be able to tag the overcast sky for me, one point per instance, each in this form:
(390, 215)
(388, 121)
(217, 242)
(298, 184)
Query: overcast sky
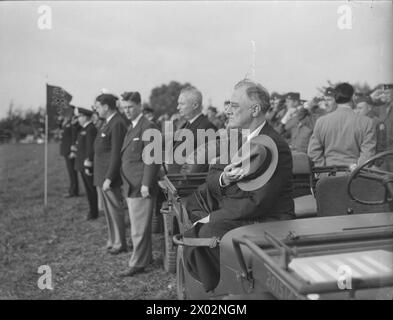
(139, 45)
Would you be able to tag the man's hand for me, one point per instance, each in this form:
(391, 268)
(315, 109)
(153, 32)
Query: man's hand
(107, 185)
(352, 166)
(162, 184)
(145, 191)
(231, 174)
(88, 163)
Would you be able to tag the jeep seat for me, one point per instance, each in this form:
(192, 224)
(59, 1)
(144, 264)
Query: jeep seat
(305, 203)
(333, 199)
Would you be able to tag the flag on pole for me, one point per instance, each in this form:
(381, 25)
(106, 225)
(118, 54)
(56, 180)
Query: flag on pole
(57, 102)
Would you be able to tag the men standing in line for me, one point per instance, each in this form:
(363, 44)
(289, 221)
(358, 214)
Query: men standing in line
(85, 156)
(107, 162)
(139, 184)
(68, 139)
(342, 137)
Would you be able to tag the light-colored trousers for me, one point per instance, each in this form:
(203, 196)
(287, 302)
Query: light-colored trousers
(114, 215)
(141, 213)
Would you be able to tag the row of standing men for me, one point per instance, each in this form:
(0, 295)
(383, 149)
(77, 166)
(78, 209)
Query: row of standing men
(109, 159)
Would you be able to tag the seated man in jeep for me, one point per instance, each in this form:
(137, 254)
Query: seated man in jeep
(234, 195)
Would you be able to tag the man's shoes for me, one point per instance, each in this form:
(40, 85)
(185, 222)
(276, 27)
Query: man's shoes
(91, 218)
(131, 271)
(115, 251)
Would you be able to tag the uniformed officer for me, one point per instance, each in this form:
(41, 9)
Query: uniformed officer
(331, 104)
(68, 139)
(85, 156)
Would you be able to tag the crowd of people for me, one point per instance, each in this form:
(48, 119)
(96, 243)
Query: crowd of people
(104, 146)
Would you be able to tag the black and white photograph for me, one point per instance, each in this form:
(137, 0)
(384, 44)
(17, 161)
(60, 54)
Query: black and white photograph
(221, 151)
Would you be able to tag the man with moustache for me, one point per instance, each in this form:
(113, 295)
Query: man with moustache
(139, 183)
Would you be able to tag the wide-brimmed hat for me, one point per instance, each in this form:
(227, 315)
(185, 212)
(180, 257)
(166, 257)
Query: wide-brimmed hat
(259, 158)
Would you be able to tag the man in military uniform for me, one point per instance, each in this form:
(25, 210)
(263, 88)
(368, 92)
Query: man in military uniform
(68, 138)
(342, 137)
(85, 156)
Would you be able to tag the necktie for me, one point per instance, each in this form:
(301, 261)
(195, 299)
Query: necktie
(185, 125)
(130, 127)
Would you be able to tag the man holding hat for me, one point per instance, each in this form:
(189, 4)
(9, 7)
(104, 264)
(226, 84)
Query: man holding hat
(85, 156)
(255, 186)
(342, 137)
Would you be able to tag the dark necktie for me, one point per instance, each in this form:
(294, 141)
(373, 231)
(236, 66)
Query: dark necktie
(186, 125)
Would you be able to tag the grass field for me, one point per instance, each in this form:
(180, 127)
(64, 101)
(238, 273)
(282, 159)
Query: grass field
(61, 238)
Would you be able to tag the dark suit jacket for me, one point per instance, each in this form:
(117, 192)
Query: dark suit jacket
(202, 122)
(134, 171)
(272, 201)
(107, 146)
(85, 146)
(68, 138)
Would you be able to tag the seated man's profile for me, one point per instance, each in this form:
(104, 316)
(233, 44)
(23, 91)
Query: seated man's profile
(234, 195)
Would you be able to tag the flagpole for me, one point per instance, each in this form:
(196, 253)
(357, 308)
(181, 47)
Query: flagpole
(46, 163)
(46, 151)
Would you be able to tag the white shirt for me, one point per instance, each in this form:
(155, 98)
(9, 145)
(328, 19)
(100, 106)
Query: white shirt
(193, 119)
(110, 117)
(86, 124)
(249, 137)
(136, 120)
(256, 131)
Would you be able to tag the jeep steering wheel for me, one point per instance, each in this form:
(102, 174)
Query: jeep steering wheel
(384, 177)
